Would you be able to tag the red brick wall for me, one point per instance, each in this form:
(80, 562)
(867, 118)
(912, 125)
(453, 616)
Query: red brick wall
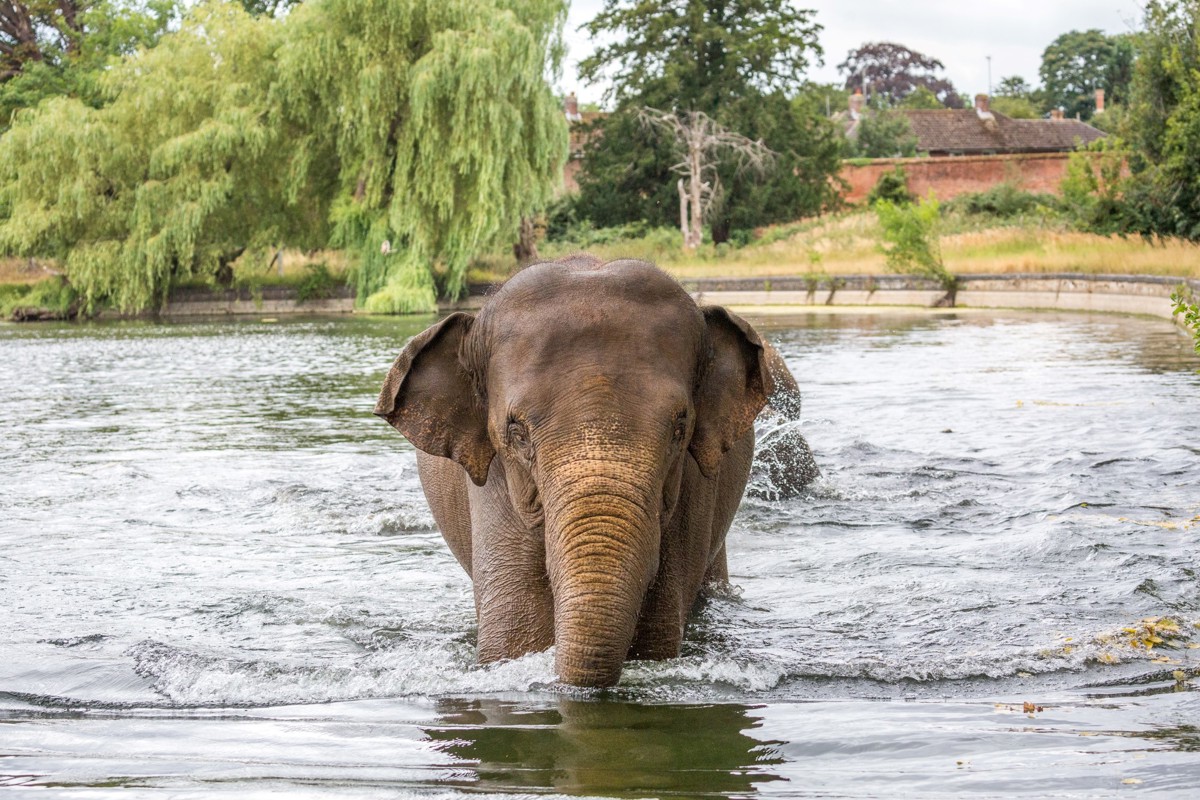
(954, 175)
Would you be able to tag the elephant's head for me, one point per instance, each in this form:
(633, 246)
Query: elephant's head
(587, 386)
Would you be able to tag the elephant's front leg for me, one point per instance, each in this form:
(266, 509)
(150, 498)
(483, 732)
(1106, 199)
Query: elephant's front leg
(513, 603)
(692, 552)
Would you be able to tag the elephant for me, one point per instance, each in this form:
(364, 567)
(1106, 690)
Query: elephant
(584, 441)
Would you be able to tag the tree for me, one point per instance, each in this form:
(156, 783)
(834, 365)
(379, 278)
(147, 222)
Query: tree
(50, 48)
(1162, 197)
(33, 31)
(424, 123)
(734, 60)
(1078, 63)
(1118, 75)
(175, 176)
(921, 98)
(885, 134)
(270, 8)
(802, 180)
(699, 55)
(1015, 98)
(1014, 86)
(1015, 107)
(626, 174)
(826, 98)
(703, 145)
(441, 120)
(888, 72)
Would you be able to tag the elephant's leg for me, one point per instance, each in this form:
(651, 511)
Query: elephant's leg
(692, 551)
(731, 485)
(513, 603)
(718, 570)
(445, 486)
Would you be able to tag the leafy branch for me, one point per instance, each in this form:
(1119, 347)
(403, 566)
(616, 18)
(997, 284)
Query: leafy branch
(1185, 304)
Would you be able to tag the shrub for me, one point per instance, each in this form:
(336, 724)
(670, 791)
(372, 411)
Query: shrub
(1186, 305)
(893, 187)
(53, 295)
(317, 284)
(911, 231)
(1004, 201)
(1095, 195)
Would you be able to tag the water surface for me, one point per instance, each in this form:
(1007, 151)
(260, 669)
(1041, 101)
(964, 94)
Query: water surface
(218, 575)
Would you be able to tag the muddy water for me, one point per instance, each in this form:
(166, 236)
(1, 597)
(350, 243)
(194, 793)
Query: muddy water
(218, 576)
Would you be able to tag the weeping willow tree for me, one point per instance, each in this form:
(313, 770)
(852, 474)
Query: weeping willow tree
(441, 120)
(176, 175)
(428, 124)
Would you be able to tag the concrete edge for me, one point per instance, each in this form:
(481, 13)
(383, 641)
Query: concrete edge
(1147, 295)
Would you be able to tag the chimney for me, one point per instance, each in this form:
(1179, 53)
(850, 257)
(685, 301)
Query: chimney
(571, 108)
(856, 104)
(1099, 101)
(1056, 114)
(981, 104)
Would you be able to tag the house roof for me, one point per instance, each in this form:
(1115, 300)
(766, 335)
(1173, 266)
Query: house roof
(970, 131)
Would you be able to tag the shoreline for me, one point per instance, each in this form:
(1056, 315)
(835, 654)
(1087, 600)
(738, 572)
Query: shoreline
(1142, 295)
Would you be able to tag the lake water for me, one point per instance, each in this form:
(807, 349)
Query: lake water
(218, 576)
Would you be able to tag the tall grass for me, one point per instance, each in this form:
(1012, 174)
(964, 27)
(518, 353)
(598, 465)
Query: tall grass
(850, 244)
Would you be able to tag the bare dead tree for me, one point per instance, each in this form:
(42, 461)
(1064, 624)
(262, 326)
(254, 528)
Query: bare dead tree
(705, 145)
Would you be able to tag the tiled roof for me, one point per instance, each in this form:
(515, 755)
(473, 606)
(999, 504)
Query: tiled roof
(967, 131)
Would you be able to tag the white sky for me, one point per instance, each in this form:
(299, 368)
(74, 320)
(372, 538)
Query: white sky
(961, 33)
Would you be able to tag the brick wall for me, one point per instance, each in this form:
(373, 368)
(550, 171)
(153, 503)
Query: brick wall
(954, 175)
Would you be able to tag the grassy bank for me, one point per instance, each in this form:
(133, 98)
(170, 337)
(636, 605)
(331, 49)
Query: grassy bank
(849, 243)
(39, 291)
(840, 244)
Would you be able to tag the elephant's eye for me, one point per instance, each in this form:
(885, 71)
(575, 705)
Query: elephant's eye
(680, 427)
(518, 436)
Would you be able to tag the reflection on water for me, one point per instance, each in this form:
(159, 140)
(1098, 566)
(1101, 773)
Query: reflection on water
(588, 747)
(218, 575)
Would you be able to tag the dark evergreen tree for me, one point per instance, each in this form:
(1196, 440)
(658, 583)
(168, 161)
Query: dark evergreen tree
(734, 60)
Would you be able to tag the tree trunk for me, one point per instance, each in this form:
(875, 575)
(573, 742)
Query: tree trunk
(525, 250)
(683, 213)
(696, 184)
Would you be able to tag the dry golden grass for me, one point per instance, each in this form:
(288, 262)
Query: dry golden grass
(842, 244)
(19, 270)
(295, 262)
(849, 244)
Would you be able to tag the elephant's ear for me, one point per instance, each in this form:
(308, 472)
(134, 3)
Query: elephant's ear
(734, 385)
(429, 397)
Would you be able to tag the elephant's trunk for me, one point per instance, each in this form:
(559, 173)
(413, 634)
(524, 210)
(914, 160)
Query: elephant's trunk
(602, 547)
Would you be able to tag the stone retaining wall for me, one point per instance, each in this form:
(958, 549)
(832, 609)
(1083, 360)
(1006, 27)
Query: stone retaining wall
(1068, 292)
(271, 300)
(1126, 294)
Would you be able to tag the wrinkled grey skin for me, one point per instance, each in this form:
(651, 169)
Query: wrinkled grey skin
(584, 443)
